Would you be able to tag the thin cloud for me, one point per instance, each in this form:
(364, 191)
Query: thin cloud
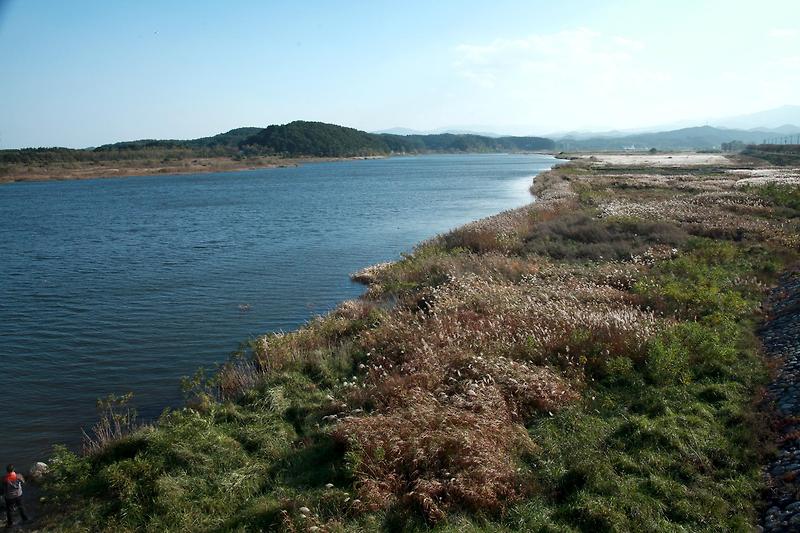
(504, 61)
(577, 67)
(589, 78)
(782, 33)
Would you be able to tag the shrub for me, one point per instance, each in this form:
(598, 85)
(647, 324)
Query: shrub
(785, 196)
(117, 420)
(708, 281)
(433, 456)
(580, 236)
(668, 361)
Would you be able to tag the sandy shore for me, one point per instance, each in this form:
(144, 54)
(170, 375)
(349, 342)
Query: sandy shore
(677, 159)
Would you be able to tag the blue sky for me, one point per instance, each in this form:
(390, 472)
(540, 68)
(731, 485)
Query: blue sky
(83, 73)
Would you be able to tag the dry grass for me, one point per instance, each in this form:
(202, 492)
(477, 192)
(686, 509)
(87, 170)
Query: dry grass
(446, 392)
(435, 455)
(117, 420)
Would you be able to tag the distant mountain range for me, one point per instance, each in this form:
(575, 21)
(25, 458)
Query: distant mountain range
(750, 128)
(439, 131)
(696, 138)
(318, 139)
(779, 120)
(774, 119)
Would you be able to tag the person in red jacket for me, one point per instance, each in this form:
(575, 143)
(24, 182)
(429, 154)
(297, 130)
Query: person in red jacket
(12, 492)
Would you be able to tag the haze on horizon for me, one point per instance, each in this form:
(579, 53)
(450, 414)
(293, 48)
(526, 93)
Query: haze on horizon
(90, 72)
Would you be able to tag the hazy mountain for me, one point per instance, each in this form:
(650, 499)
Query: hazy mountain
(786, 129)
(783, 120)
(467, 131)
(399, 130)
(695, 138)
(579, 134)
(771, 118)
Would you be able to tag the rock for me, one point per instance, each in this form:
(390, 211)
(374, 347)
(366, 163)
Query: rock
(782, 344)
(38, 471)
(305, 510)
(793, 508)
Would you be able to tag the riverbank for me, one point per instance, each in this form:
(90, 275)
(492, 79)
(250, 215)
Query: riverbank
(148, 167)
(587, 362)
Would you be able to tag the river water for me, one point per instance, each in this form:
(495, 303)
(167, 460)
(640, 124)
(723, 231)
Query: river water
(126, 284)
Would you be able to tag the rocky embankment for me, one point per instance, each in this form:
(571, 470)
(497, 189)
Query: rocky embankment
(781, 338)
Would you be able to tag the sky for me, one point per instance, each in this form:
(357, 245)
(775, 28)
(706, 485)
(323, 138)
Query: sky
(84, 72)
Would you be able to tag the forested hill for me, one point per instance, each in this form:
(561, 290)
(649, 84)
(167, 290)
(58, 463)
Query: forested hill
(296, 139)
(158, 150)
(315, 139)
(301, 138)
(231, 138)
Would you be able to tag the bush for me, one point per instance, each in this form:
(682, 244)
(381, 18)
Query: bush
(580, 236)
(668, 362)
(786, 196)
(117, 420)
(708, 281)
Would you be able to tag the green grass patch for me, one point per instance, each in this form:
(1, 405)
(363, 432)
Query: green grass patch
(666, 441)
(784, 197)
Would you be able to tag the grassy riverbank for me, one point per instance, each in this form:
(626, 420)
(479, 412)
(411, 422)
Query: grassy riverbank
(587, 363)
(146, 166)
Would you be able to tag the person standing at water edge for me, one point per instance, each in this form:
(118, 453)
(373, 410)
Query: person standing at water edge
(12, 492)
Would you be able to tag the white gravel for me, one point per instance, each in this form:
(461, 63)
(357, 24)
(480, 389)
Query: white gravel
(666, 159)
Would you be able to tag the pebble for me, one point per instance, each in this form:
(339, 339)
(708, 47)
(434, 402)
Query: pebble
(780, 336)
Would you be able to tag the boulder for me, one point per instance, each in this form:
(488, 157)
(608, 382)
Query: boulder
(38, 471)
